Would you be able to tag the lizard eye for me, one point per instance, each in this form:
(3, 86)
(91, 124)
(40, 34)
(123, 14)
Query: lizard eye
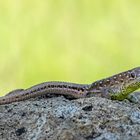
(133, 75)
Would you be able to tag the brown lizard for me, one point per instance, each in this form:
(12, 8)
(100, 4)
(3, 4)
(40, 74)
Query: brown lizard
(115, 87)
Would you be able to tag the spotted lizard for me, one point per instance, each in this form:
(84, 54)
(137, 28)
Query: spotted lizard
(116, 87)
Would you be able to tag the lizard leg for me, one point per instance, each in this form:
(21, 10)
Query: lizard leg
(134, 97)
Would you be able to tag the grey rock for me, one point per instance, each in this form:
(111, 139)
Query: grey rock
(58, 118)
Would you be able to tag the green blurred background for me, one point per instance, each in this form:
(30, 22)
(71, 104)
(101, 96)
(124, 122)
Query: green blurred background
(68, 40)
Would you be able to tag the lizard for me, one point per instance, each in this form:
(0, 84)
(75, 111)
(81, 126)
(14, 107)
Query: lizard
(116, 87)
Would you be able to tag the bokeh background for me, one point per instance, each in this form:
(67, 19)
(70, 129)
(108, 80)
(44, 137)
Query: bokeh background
(68, 40)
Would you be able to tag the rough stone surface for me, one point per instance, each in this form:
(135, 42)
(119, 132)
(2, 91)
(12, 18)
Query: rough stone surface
(58, 118)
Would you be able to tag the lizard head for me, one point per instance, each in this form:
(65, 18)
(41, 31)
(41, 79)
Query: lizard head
(133, 75)
(135, 72)
(129, 81)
